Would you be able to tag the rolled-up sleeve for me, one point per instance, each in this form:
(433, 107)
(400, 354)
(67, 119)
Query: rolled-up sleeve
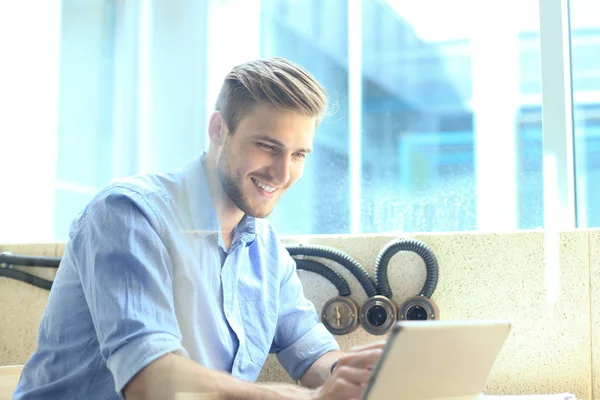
(300, 339)
(126, 275)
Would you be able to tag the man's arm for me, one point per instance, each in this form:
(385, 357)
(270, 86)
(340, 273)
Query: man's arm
(126, 273)
(320, 370)
(172, 374)
(359, 357)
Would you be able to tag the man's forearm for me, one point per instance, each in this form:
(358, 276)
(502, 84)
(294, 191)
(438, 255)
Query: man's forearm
(319, 371)
(172, 374)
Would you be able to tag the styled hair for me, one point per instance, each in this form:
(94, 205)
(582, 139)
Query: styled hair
(273, 81)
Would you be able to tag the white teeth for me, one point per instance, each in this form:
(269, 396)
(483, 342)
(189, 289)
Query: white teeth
(264, 187)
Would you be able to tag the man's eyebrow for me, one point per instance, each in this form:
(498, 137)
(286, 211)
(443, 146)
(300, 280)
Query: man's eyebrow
(277, 143)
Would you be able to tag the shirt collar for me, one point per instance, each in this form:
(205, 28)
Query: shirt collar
(245, 230)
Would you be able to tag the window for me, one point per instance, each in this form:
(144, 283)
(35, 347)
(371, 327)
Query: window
(301, 31)
(131, 95)
(445, 139)
(585, 46)
(439, 122)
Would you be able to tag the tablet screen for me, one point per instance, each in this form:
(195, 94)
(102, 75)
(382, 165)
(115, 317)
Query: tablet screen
(436, 359)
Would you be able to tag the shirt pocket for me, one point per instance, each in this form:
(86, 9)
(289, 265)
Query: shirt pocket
(260, 320)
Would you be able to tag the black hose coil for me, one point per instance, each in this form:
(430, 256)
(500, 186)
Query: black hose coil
(29, 261)
(415, 246)
(359, 272)
(326, 272)
(26, 278)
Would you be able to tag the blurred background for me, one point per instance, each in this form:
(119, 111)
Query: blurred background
(439, 107)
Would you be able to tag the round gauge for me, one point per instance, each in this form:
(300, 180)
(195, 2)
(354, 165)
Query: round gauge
(378, 315)
(340, 315)
(418, 308)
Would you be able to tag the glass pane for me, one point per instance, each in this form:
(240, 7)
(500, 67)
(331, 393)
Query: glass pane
(131, 95)
(585, 50)
(451, 114)
(85, 134)
(302, 31)
(449, 106)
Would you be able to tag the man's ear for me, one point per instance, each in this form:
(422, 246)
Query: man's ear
(217, 129)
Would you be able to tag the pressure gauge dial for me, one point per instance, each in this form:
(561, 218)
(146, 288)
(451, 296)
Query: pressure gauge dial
(340, 315)
(378, 315)
(418, 308)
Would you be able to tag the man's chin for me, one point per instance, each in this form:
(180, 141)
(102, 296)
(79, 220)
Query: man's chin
(260, 214)
(263, 212)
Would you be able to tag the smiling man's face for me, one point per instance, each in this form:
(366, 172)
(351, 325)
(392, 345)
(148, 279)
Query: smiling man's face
(264, 157)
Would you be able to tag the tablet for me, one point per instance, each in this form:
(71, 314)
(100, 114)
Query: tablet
(437, 360)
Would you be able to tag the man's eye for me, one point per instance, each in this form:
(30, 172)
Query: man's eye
(266, 146)
(300, 155)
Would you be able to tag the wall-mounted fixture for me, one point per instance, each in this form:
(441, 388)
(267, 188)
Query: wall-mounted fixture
(379, 313)
(340, 313)
(339, 307)
(420, 307)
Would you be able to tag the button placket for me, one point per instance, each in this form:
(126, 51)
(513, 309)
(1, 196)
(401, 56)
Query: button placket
(229, 276)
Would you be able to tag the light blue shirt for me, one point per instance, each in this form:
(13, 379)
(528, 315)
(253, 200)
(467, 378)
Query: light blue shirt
(145, 273)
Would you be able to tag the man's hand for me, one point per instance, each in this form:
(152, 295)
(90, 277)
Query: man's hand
(351, 374)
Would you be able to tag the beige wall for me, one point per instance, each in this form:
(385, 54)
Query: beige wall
(482, 276)
(594, 262)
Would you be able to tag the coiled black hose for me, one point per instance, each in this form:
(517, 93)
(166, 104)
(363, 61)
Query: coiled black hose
(326, 272)
(416, 246)
(341, 258)
(8, 259)
(26, 278)
(29, 261)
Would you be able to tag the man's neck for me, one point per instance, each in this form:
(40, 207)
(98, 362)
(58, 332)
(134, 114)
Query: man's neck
(227, 212)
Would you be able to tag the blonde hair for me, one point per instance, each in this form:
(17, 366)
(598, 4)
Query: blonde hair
(273, 81)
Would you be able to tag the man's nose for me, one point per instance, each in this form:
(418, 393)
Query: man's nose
(280, 170)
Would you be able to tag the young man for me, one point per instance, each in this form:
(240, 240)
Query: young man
(174, 283)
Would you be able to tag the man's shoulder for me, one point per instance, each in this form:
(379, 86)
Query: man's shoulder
(134, 188)
(147, 192)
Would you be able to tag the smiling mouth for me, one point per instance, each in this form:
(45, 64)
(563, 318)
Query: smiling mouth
(264, 187)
